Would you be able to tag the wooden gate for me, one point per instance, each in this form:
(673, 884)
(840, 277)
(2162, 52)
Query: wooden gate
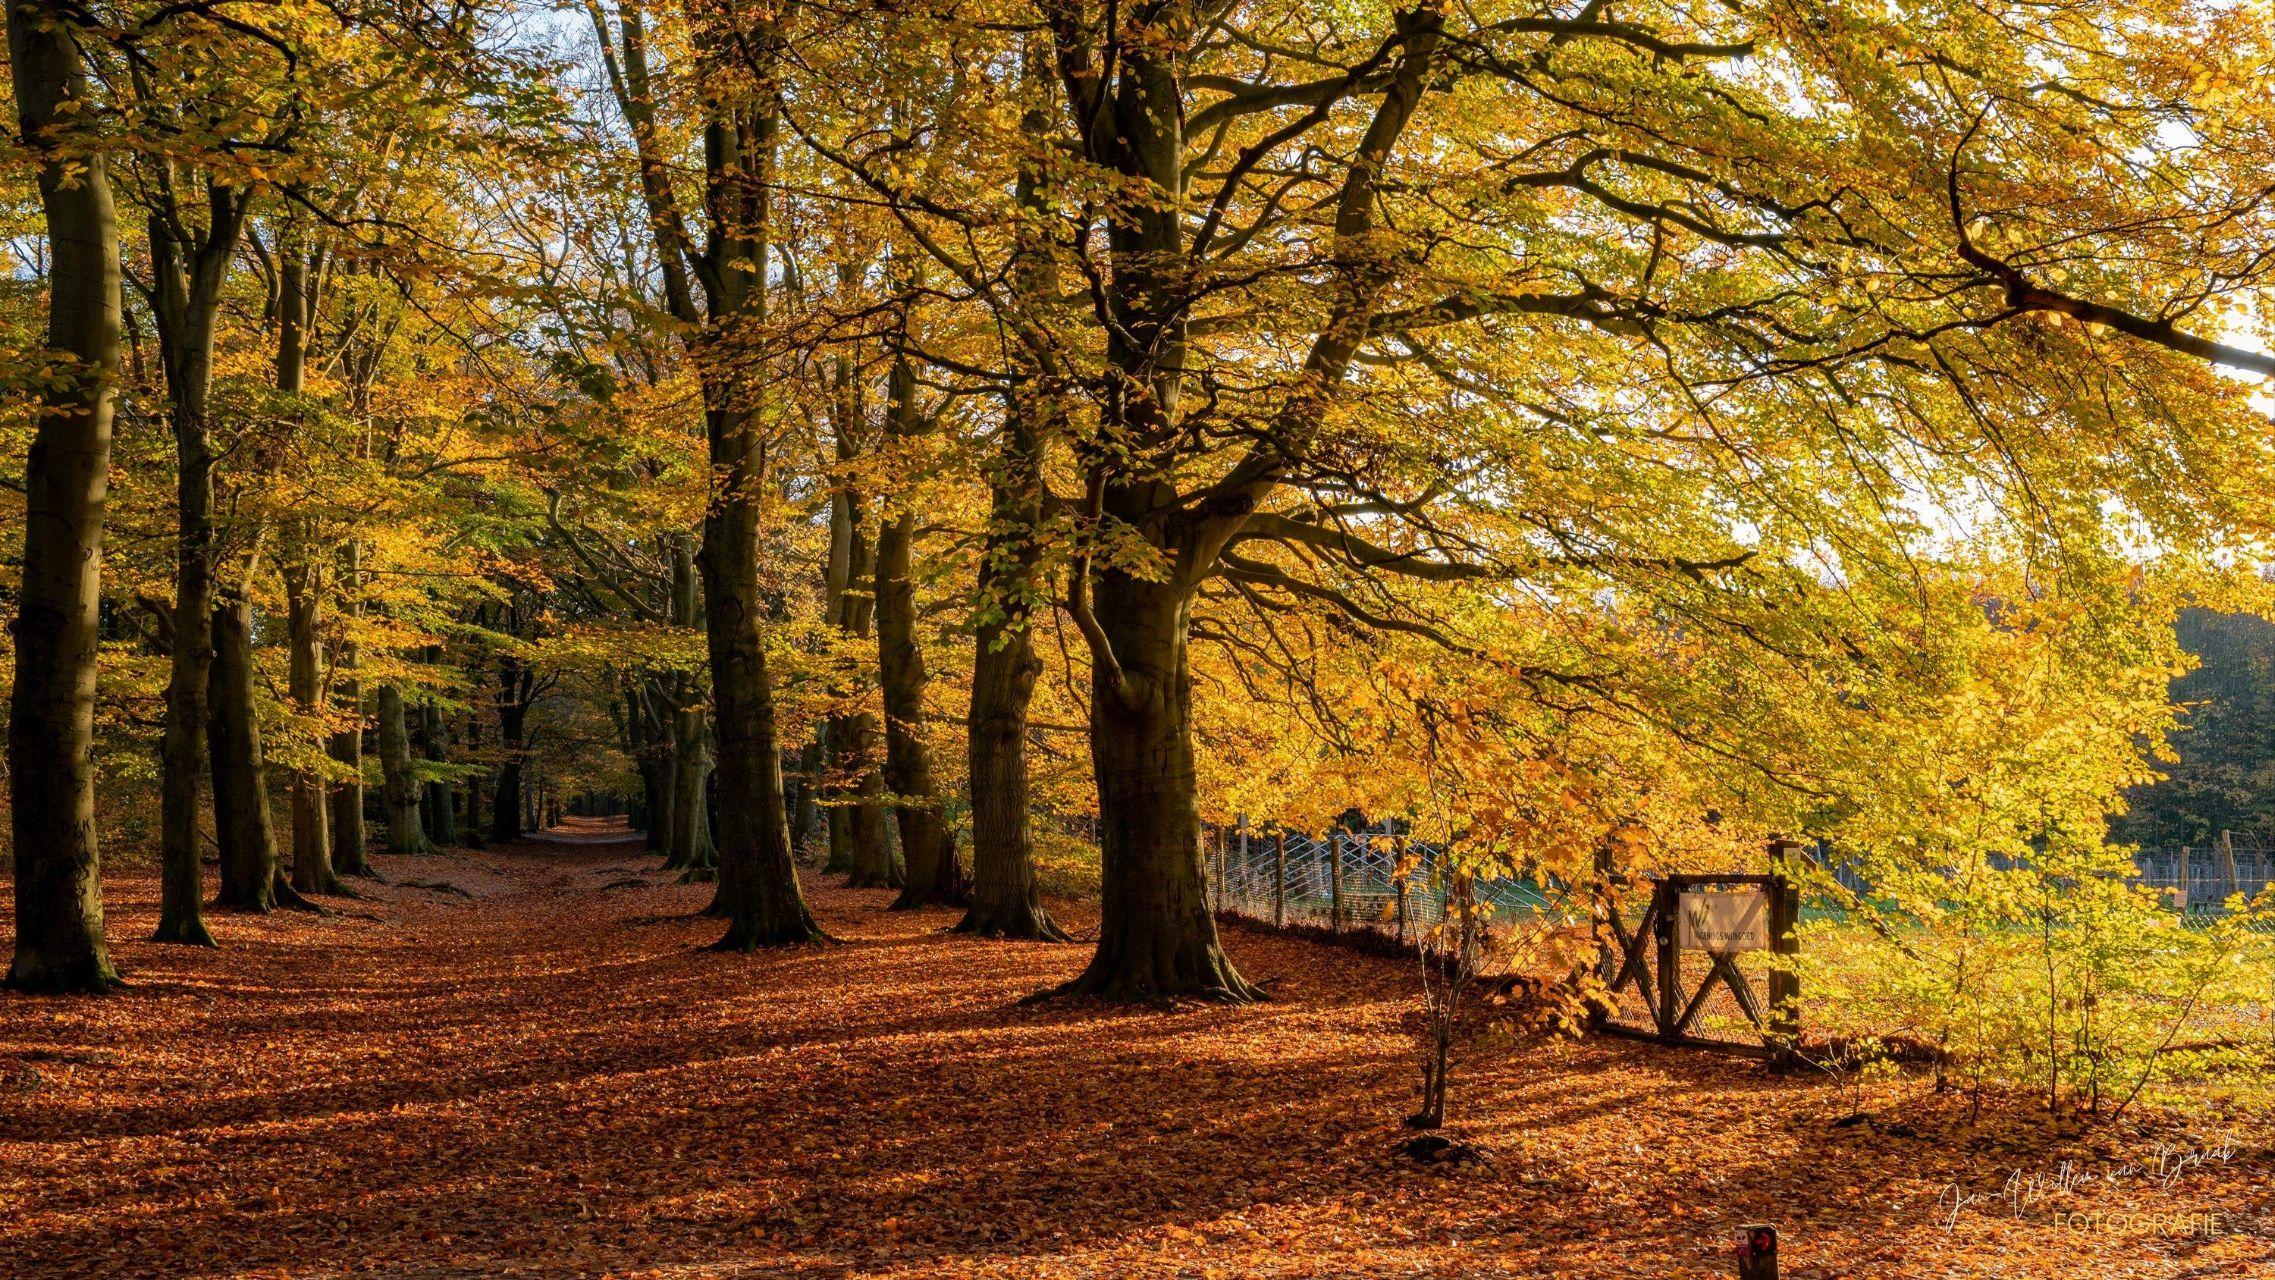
(1693, 938)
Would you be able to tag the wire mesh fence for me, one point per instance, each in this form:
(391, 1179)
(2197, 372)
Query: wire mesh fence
(1349, 880)
(1378, 880)
(2199, 879)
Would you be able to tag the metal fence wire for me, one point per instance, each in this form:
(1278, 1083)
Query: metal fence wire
(1346, 880)
(2200, 879)
(1378, 880)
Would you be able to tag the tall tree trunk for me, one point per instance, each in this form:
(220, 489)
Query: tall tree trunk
(186, 282)
(505, 807)
(927, 845)
(858, 844)
(1156, 938)
(434, 741)
(312, 870)
(405, 834)
(1005, 902)
(692, 850)
(805, 814)
(184, 300)
(303, 584)
(241, 822)
(758, 880)
(349, 841)
(656, 761)
(51, 721)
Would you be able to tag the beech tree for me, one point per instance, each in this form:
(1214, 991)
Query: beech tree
(1306, 254)
(59, 906)
(737, 102)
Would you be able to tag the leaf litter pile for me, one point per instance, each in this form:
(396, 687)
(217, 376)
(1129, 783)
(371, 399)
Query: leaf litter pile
(521, 1062)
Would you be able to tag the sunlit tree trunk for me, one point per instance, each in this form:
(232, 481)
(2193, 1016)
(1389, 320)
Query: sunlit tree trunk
(692, 850)
(434, 743)
(186, 282)
(303, 586)
(858, 846)
(928, 847)
(405, 833)
(349, 841)
(1004, 899)
(1156, 938)
(758, 880)
(312, 870)
(51, 721)
(241, 820)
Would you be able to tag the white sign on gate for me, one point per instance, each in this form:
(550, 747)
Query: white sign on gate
(1724, 921)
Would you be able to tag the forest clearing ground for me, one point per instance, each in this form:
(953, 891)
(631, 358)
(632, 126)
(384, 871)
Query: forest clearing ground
(531, 1072)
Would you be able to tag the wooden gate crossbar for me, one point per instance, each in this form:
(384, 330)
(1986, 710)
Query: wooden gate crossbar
(1650, 959)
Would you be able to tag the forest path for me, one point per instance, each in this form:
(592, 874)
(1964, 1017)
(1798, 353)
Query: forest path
(537, 1069)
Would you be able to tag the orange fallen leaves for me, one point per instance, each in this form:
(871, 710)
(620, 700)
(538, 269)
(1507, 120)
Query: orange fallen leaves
(551, 1079)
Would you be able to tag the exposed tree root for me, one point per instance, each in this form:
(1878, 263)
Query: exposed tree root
(184, 933)
(1012, 923)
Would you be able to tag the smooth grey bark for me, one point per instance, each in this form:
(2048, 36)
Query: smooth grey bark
(242, 823)
(1005, 902)
(405, 833)
(928, 847)
(854, 791)
(51, 723)
(435, 804)
(349, 840)
(188, 270)
(312, 870)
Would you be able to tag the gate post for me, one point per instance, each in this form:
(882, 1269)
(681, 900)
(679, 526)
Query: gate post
(1667, 898)
(1757, 1252)
(1335, 879)
(1247, 869)
(1279, 877)
(1599, 914)
(1784, 984)
(1400, 876)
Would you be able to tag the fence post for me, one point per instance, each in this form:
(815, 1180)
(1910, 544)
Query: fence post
(1784, 983)
(1335, 880)
(1400, 876)
(1757, 1252)
(1247, 874)
(1217, 856)
(1667, 899)
(2227, 864)
(1279, 878)
(1599, 923)
(2187, 890)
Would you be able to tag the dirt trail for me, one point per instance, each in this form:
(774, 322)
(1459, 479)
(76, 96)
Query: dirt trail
(500, 1065)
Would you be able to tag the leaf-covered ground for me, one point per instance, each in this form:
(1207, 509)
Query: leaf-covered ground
(538, 1071)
